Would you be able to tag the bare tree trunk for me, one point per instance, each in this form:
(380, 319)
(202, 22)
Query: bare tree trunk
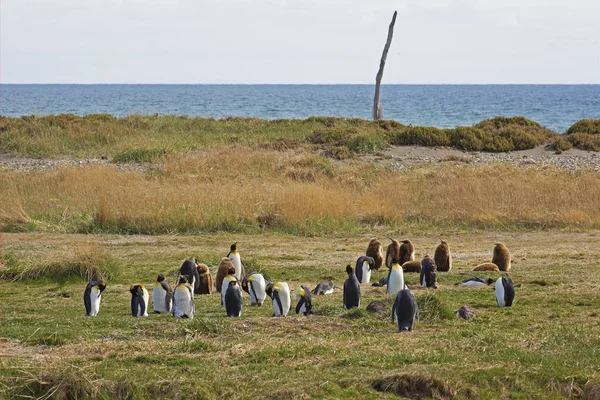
(377, 109)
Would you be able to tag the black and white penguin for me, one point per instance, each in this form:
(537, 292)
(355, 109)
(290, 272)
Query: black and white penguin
(280, 294)
(428, 273)
(475, 281)
(395, 279)
(234, 256)
(183, 299)
(404, 310)
(363, 268)
(304, 299)
(352, 293)
(233, 299)
(162, 296)
(188, 268)
(139, 301)
(324, 287)
(505, 291)
(225, 285)
(256, 286)
(92, 296)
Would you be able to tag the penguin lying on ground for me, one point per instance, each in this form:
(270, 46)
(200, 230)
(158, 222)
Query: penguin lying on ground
(324, 287)
(233, 299)
(505, 291)
(279, 292)
(304, 305)
(404, 310)
(476, 282)
(352, 293)
(162, 295)
(139, 301)
(256, 286)
(363, 268)
(183, 299)
(92, 297)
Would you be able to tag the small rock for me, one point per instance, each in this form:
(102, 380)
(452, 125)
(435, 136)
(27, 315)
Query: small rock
(465, 312)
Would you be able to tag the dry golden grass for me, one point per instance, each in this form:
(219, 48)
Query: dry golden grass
(240, 189)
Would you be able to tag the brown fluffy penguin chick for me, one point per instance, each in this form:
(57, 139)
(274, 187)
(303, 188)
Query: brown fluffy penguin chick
(412, 266)
(225, 268)
(392, 252)
(375, 250)
(501, 257)
(442, 257)
(407, 252)
(486, 267)
(206, 280)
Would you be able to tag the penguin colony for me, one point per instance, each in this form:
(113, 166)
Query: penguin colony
(231, 279)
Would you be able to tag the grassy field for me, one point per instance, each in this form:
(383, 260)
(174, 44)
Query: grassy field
(302, 204)
(547, 345)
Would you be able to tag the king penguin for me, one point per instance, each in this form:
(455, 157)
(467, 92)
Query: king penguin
(395, 278)
(428, 273)
(280, 294)
(233, 299)
(162, 296)
(304, 298)
(404, 310)
(505, 291)
(234, 256)
(92, 296)
(256, 286)
(225, 285)
(139, 301)
(183, 299)
(189, 269)
(475, 281)
(351, 289)
(326, 286)
(363, 268)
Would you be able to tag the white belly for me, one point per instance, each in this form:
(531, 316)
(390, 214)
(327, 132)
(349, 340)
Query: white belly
(159, 299)
(500, 293)
(366, 273)
(95, 297)
(472, 283)
(284, 297)
(224, 287)
(258, 287)
(183, 303)
(395, 282)
(146, 297)
(237, 264)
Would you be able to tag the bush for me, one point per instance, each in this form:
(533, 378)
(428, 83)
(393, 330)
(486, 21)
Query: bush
(590, 126)
(585, 141)
(561, 144)
(422, 136)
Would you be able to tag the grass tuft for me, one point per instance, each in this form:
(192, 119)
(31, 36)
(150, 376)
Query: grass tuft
(414, 386)
(432, 309)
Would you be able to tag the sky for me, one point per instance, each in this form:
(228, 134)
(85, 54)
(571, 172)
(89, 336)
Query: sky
(287, 41)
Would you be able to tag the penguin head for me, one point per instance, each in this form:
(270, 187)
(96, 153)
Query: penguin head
(233, 283)
(202, 269)
(183, 279)
(102, 286)
(406, 241)
(349, 269)
(269, 289)
(137, 290)
(443, 241)
(233, 247)
(160, 278)
(395, 262)
(231, 271)
(489, 281)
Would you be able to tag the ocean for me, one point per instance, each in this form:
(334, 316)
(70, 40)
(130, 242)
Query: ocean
(445, 106)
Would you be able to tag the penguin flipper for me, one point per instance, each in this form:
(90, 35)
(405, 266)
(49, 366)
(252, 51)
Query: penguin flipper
(301, 302)
(278, 301)
(87, 301)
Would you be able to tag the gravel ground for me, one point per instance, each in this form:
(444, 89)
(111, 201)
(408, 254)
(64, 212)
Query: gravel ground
(397, 157)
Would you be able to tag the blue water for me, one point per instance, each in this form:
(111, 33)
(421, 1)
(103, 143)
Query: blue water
(554, 106)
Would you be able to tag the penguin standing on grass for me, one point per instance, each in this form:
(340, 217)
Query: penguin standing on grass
(304, 298)
(139, 301)
(352, 295)
(233, 299)
(183, 299)
(162, 296)
(225, 285)
(256, 286)
(189, 269)
(280, 294)
(363, 268)
(235, 258)
(92, 296)
(505, 291)
(395, 278)
(404, 310)
(428, 273)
